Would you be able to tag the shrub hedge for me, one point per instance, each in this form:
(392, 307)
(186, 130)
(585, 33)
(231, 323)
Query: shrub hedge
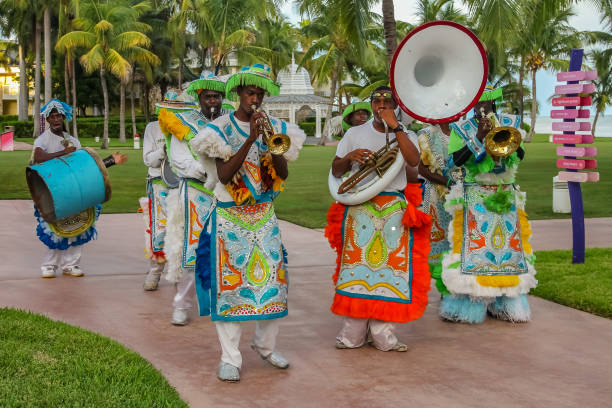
(88, 126)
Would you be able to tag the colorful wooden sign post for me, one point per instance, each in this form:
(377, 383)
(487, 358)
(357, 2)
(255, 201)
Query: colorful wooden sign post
(572, 97)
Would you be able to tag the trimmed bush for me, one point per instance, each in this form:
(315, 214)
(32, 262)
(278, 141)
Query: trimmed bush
(88, 127)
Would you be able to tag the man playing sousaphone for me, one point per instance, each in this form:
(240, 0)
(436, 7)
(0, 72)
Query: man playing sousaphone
(382, 275)
(490, 265)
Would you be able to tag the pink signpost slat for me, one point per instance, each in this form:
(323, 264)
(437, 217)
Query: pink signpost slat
(577, 151)
(572, 101)
(578, 177)
(570, 114)
(571, 126)
(577, 76)
(574, 89)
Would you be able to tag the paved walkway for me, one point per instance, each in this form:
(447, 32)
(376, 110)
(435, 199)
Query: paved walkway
(561, 359)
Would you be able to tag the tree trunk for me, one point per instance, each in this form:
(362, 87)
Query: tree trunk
(36, 112)
(48, 62)
(146, 103)
(521, 93)
(534, 106)
(330, 106)
(122, 112)
(67, 78)
(132, 107)
(389, 26)
(106, 110)
(23, 86)
(597, 112)
(75, 105)
(180, 76)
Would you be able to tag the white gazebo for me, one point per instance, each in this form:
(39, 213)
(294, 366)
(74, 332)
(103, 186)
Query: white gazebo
(296, 93)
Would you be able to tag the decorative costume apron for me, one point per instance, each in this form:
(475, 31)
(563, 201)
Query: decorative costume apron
(241, 271)
(382, 271)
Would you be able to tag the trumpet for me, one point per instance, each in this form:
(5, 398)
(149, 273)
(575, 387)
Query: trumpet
(379, 162)
(278, 143)
(501, 141)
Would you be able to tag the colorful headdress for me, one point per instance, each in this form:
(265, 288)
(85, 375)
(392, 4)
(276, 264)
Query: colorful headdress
(491, 94)
(354, 107)
(257, 75)
(175, 101)
(61, 107)
(208, 81)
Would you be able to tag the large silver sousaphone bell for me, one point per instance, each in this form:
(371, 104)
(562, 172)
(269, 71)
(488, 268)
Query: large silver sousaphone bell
(439, 72)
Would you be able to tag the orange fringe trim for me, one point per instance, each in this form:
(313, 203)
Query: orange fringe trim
(420, 223)
(333, 233)
(240, 192)
(278, 183)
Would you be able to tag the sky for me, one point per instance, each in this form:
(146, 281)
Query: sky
(586, 18)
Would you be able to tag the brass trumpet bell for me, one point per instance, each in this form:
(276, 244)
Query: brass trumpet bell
(502, 141)
(278, 143)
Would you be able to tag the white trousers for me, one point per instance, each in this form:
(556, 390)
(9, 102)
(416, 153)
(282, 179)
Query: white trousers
(229, 337)
(62, 259)
(156, 268)
(354, 333)
(185, 291)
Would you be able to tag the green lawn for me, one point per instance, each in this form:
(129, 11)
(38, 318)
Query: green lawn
(306, 197)
(585, 287)
(51, 364)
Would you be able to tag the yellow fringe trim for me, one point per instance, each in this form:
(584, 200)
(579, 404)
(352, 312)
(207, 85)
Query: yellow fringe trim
(525, 232)
(279, 183)
(426, 158)
(500, 281)
(169, 123)
(457, 231)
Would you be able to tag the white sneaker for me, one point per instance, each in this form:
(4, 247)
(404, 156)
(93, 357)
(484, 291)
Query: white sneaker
(227, 372)
(180, 317)
(151, 281)
(48, 272)
(274, 358)
(73, 271)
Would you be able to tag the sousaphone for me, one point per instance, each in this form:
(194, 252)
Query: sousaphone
(438, 73)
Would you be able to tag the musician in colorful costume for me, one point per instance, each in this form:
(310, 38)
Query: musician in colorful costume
(64, 249)
(154, 205)
(490, 265)
(190, 205)
(242, 266)
(436, 170)
(381, 274)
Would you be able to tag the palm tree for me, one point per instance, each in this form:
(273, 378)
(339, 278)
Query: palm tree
(48, 62)
(16, 19)
(109, 30)
(388, 13)
(36, 112)
(340, 28)
(602, 97)
(548, 37)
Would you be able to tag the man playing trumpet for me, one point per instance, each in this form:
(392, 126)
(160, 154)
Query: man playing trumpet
(490, 265)
(382, 274)
(241, 269)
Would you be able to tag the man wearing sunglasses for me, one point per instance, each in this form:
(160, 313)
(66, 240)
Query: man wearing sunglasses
(382, 276)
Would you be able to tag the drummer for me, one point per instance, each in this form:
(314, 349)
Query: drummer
(63, 253)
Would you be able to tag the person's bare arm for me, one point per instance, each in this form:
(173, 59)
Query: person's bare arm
(341, 165)
(40, 156)
(433, 177)
(280, 165)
